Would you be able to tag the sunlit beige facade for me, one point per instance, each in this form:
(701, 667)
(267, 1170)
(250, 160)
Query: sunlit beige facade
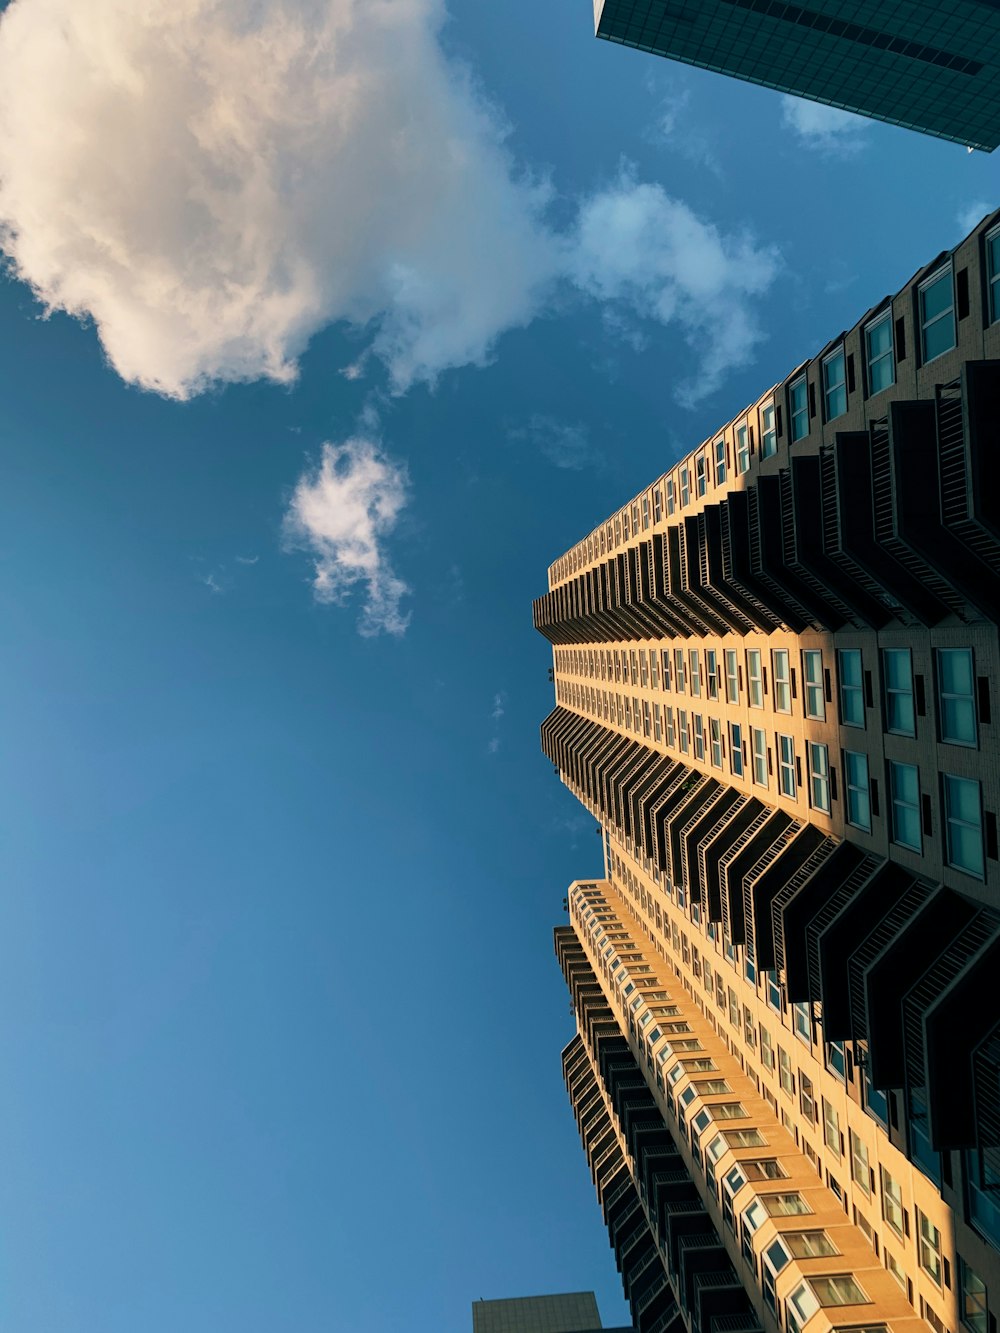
(775, 670)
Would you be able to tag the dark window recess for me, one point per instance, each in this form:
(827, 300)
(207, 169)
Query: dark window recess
(900, 339)
(850, 373)
(777, 419)
(869, 693)
(740, 672)
(827, 687)
(927, 817)
(764, 677)
(794, 690)
(798, 770)
(947, 1273)
(920, 696)
(894, 1121)
(873, 788)
(833, 783)
(770, 765)
(812, 400)
(751, 439)
(983, 692)
(729, 456)
(990, 826)
(962, 292)
(946, 1175)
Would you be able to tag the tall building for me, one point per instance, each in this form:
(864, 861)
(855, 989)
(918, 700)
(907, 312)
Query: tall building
(571, 1312)
(923, 64)
(775, 670)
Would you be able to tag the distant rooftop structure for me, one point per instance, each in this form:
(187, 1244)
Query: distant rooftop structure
(570, 1312)
(921, 64)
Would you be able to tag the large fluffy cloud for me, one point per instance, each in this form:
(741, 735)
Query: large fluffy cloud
(213, 181)
(342, 511)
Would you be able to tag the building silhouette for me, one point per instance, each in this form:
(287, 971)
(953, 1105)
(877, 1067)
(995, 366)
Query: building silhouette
(775, 670)
(918, 63)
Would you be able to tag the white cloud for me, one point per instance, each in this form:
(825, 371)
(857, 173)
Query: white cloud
(499, 706)
(247, 559)
(565, 444)
(824, 127)
(211, 182)
(636, 246)
(341, 512)
(972, 214)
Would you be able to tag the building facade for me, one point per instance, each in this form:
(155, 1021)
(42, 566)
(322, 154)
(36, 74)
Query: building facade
(569, 1312)
(775, 671)
(918, 63)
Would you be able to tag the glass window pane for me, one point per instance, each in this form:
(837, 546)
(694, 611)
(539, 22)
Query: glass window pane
(956, 698)
(963, 815)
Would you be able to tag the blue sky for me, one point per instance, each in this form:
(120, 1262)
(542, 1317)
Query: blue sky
(280, 1021)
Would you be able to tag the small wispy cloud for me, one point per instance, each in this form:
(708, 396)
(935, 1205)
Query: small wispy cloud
(564, 444)
(675, 127)
(970, 214)
(826, 129)
(342, 512)
(212, 583)
(496, 714)
(247, 559)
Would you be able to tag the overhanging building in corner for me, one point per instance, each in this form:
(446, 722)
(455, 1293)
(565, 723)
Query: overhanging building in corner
(568, 1312)
(930, 65)
(775, 672)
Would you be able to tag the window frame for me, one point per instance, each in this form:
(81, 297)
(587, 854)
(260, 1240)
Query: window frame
(832, 389)
(949, 820)
(818, 779)
(946, 271)
(897, 802)
(853, 789)
(946, 696)
(798, 413)
(881, 321)
(891, 694)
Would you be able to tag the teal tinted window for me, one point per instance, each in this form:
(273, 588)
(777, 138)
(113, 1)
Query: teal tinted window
(993, 272)
(878, 349)
(937, 316)
(898, 685)
(852, 703)
(904, 789)
(798, 399)
(768, 438)
(834, 386)
(964, 821)
(956, 701)
(859, 810)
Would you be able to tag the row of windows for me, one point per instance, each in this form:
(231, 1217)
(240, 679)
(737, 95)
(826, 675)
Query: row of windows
(720, 676)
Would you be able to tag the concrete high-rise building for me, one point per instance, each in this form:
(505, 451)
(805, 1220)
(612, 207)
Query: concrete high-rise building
(924, 64)
(775, 671)
(569, 1312)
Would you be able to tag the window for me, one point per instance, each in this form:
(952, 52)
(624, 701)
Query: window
(801, 1021)
(836, 1060)
(720, 462)
(665, 662)
(852, 698)
(682, 730)
(831, 1127)
(812, 683)
(707, 1086)
(701, 474)
(645, 512)
(768, 438)
(834, 385)
(766, 1049)
(929, 1248)
(729, 1111)
(736, 748)
(785, 1205)
(878, 354)
(712, 673)
(807, 1097)
(809, 1244)
(732, 677)
(715, 735)
(860, 1171)
(773, 991)
(956, 699)
(774, 1259)
(657, 727)
(744, 1138)
(657, 506)
(904, 794)
(786, 765)
(937, 314)
(800, 1308)
(782, 681)
(892, 1203)
(699, 736)
(685, 486)
(679, 669)
(798, 409)
(840, 1289)
(972, 1309)
(785, 1076)
(964, 823)
(671, 501)
(742, 449)
(755, 678)
(695, 659)
(859, 809)
(759, 743)
(818, 759)
(897, 678)
(765, 1168)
